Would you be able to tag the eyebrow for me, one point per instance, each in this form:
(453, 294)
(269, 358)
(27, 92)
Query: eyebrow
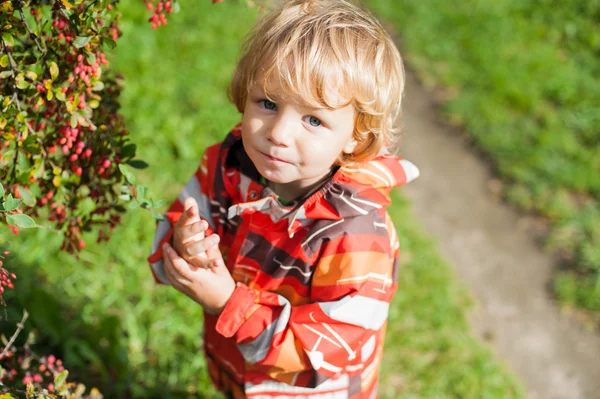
(259, 91)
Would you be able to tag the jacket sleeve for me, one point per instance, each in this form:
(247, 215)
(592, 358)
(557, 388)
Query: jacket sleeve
(196, 187)
(336, 332)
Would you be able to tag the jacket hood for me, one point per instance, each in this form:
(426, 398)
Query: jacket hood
(353, 190)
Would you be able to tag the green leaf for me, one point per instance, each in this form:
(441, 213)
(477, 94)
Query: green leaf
(60, 96)
(74, 121)
(141, 192)
(18, 219)
(4, 61)
(10, 204)
(91, 58)
(81, 41)
(60, 379)
(157, 216)
(128, 151)
(134, 205)
(1, 191)
(86, 207)
(5, 74)
(8, 39)
(127, 174)
(98, 86)
(137, 164)
(28, 198)
(110, 42)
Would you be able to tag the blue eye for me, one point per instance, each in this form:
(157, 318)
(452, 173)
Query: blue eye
(314, 121)
(270, 105)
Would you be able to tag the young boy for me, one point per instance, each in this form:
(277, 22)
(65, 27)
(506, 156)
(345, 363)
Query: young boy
(282, 234)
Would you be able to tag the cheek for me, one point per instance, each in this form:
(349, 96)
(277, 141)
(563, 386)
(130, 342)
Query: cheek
(252, 125)
(317, 155)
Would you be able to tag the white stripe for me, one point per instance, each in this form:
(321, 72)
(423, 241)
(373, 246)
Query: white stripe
(265, 389)
(286, 267)
(368, 172)
(350, 204)
(320, 334)
(382, 225)
(370, 275)
(352, 368)
(320, 231)
(351, 354)
(358, 310)
(244, 185)
(411, 171)
(362, 201)
(385, 172)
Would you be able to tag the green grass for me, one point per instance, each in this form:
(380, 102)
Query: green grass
(522, 77)
(103, 314)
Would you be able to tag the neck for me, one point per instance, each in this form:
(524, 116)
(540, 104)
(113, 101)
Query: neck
(292, 191)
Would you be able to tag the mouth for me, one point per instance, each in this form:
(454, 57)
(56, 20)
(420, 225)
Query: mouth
(274, 159)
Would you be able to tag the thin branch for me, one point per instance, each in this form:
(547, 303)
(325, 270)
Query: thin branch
(20, 326)
(35, 38)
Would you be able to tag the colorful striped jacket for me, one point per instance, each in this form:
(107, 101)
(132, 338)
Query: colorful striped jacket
(314, 280)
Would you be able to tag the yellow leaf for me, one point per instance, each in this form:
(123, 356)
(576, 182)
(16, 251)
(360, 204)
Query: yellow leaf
(31, 75)
(7, 7)
(67, 5)
(50, 95)
(56, 171)
(4, 61)
(56, 181)
(2, 122)
(53, 70)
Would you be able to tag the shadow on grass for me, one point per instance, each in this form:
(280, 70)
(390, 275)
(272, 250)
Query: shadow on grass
(94, 353)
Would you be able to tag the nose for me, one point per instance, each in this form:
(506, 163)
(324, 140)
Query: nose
(281, 130)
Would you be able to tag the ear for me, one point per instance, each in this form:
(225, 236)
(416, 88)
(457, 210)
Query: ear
(349, 148)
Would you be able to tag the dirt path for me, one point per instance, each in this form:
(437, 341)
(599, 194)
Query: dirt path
(499, 261)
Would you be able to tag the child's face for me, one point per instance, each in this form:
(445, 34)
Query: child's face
(292, 144)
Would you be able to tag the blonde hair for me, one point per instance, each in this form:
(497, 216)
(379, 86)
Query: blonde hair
(331, 44)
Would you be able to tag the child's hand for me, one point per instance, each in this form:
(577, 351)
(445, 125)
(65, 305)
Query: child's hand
(210, 287)
(189, 236)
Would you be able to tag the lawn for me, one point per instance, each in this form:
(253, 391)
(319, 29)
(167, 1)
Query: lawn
(521, 78)
(115, 329)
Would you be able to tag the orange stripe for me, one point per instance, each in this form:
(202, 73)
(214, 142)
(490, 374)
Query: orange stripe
(337, 267)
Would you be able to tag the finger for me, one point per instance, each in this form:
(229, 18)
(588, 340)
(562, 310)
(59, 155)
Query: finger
(193, 232)
(215, 258)
(190, 213)
(199, 247)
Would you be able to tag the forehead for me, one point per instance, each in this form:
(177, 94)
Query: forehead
(301, 91)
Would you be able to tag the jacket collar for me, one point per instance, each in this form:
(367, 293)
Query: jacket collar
(353, 190)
